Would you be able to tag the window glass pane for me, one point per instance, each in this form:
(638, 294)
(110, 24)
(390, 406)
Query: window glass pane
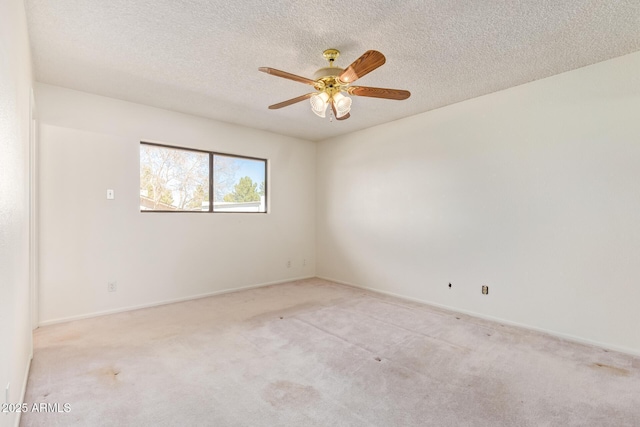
(173, 179)
(239, 184)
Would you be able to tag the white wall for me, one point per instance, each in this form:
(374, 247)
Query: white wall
(534, 191)
(90, 143)
(15, 90)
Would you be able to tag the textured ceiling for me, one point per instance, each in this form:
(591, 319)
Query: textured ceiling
(202, 56)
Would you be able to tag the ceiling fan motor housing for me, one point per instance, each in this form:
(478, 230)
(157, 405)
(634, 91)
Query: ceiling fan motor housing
(327, 80)
(327, 72)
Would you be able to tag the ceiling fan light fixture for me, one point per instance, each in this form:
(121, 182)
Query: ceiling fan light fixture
(342, 103)
(319, 103)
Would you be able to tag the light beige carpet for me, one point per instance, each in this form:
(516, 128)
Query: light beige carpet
(313, 353)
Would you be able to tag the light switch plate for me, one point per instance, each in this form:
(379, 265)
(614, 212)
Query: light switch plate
(110, 194)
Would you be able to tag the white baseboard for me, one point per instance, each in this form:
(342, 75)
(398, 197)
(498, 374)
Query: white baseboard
(556, 334)
(171, 301)
(23, 392)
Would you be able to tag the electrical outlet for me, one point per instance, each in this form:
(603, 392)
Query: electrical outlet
(304, 262)
(485, 290)
(112, 286)
(288, 263)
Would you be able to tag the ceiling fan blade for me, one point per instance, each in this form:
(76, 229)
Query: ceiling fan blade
(286, 75)
(369, 61)
(291, 101)
(335, 113)
(379, 92)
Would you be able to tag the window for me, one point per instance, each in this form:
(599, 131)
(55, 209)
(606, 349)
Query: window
(239, 184)
(175, 179)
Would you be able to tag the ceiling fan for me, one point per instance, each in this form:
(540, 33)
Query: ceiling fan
(332, 82)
